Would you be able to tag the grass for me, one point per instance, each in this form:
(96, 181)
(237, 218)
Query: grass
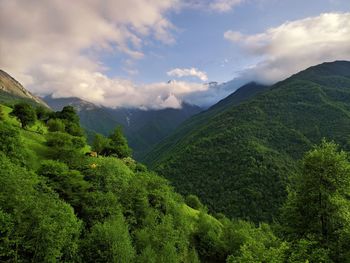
(35, 143)
(33, 137)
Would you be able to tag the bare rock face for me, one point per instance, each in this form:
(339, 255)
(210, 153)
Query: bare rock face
(10, 85)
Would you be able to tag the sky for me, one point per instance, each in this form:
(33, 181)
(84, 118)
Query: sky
(154, 54)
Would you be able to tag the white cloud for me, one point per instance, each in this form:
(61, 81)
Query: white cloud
(114, 92)
(220, 6)
(296, 45)
(188, 72)
(54, 46)
(224, 5)
(233, 36)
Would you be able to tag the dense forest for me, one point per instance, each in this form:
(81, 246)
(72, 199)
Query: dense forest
(62, 200)
(238, 156)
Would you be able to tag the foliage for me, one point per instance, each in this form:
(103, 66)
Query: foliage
(37, 225)
(25, 113)
(11, 144)
(227, 155)
(42, 113)
(69, 114)
(56, 125)
(318, 204)
(194, 202)
(118, 144)
(99, 143)
(115, 145)
(109, 242)
(77, 208)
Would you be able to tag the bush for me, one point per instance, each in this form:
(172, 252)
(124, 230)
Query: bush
(58, 139)
(25, 113)
(42, 113)
(11, 143)
(56, 125)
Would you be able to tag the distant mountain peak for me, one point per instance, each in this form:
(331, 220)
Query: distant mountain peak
(78, 103)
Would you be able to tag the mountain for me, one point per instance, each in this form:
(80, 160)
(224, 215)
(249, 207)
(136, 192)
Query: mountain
(58, 204)
(238, 159)
(143, 128)
(12, 90)
(244, 93)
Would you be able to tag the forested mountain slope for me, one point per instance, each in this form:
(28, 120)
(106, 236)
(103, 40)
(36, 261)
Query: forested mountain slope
(143, 128)
(238, 160)
(62, 202)
(58, 204)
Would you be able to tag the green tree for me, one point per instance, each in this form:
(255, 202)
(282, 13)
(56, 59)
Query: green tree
(25, 113)
(36, 226)
(109, 242)
(55, 125)
(318, 203)
(11, 143)
(65, 148)
(99, 143)
(42, 113)
(118, 144)
(68, 113)
(115, 145)
(69, 184)
(74, 129)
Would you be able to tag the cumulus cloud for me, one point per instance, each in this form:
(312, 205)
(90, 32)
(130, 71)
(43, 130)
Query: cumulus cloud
(295, 45)
(188, 72)
(54, 47)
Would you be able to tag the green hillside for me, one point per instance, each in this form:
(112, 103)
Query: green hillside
(59, 205)
(238, 160)
(60, 202)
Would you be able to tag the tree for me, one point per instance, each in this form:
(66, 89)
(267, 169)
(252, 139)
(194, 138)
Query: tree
(68, 113)
(11, 143)
(318, 203)
(118, 144)
(42, 113)
(115, 145)
(109, 242)
(56, 125)
(99, 143)
(25, 113)
(35, 225)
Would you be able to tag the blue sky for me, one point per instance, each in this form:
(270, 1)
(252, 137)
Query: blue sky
(200, 39)
(120, 53)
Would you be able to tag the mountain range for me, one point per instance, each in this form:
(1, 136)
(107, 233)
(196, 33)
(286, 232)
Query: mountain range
(239, 155)
(143, 128)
